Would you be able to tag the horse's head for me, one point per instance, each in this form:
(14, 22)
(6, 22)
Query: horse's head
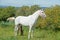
(42, 13)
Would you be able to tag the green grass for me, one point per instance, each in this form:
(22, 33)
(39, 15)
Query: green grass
(7, 33)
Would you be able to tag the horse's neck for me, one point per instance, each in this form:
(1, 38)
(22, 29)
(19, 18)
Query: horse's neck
(35, 16)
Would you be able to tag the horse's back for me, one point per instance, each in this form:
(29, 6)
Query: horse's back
(21, 20)
(21, 17)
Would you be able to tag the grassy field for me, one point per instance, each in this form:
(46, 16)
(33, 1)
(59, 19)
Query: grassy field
(7, 33)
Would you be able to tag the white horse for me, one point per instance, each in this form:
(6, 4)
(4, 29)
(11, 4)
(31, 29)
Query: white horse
(28, 21)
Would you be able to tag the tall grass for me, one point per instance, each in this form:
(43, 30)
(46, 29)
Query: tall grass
(7, 33)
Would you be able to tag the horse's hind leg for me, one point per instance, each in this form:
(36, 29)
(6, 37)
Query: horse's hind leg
(20, 29)
(15, 30)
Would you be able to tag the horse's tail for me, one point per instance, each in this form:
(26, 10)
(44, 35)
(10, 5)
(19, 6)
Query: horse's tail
(14, 18)
(11, 19)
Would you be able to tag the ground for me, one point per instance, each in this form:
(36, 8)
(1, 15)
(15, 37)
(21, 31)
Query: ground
(7, 33)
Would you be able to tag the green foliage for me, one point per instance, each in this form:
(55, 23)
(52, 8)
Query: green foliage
(34, 8)
(6, 24)
(6, 12)
(26, 10)
(52, 19)
(53, 16)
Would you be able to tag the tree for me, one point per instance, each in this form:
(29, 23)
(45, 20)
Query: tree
(6, 12)
(34, 8)
(53, 16)
(24, 10)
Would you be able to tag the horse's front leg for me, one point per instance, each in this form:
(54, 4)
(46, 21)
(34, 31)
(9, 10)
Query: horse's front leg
(15, 30)
(30, 27)
(32, 32)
